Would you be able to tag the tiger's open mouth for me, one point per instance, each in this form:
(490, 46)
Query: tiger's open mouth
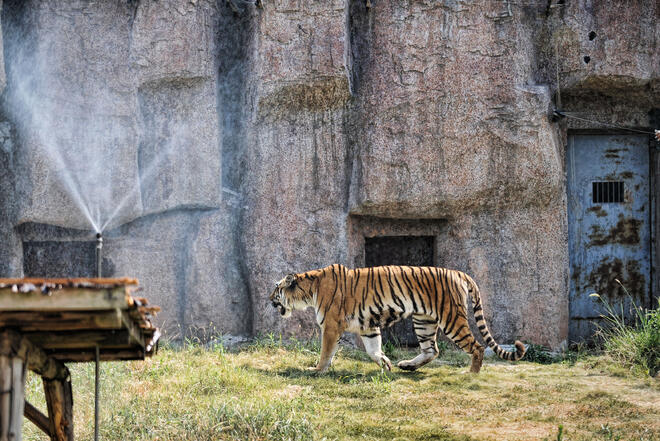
(280, 307)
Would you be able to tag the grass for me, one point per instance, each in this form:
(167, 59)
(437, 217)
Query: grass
(264, 392)
(634, 345)
(539, 354)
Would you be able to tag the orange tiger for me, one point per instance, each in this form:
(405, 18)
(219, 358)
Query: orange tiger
(365, 299)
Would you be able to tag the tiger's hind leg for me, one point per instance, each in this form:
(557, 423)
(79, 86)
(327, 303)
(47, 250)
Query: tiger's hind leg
(372, 341)
(464, 339)
(426, 328)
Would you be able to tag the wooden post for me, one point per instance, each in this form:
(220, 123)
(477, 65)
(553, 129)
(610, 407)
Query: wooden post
(12, 387)
(17, 353)
(5, 396)
(59, 398)
(17, 398)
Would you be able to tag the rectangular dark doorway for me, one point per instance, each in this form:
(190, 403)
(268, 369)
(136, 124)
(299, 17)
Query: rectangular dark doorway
(399, 250)
(59, 259)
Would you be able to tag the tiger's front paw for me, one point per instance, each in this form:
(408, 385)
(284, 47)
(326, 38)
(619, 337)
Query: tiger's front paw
(386, 361)
(317, 369)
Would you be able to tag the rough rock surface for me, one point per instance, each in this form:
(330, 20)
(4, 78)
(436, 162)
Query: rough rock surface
(3, 78)
(114, 119)
(74, 119)
(226, 149)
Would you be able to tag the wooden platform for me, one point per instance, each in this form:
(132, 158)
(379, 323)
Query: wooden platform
(67, 318)
(46, 322)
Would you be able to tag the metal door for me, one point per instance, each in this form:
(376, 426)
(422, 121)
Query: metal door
(609, 228)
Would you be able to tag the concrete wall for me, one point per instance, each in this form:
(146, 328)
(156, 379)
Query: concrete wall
(236, 148)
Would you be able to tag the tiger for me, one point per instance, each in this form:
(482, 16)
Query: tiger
(363, 300)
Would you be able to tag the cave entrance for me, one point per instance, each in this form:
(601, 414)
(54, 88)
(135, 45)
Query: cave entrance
(399, 250)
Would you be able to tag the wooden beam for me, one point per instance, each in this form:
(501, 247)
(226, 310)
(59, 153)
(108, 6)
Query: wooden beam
(13, 344)
(61, 320)
(59, 398)
(107, 354)
(103, 282)
(38, 419)
(134, 332)
(80, 340)
(65, 299)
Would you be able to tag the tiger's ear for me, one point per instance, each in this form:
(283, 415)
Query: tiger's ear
(290, 280)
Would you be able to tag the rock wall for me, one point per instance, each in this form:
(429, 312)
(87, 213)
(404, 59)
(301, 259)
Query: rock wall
(220, 148)
(418, 140)
(3, 78)
(115, 108)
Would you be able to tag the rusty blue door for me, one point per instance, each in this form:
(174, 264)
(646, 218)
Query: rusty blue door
(609, 227)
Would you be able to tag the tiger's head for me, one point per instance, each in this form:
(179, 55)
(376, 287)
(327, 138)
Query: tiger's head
(292, 292)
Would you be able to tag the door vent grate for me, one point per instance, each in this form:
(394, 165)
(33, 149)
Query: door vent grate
(607, 192)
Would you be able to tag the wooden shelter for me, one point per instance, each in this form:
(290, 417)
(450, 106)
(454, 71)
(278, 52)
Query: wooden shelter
(45, 323)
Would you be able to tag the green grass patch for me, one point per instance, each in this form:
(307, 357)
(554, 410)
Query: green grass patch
(265, 392)
(636, 344)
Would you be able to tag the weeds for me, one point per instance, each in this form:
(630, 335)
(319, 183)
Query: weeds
(266, 342)
(390, 348)
(272, 342)
(382, 381)
(608, 433)
(539, 354)
(571, 356)
(270, 422)
(635, 345)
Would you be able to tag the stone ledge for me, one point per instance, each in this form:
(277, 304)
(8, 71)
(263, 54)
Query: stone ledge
(313, 96)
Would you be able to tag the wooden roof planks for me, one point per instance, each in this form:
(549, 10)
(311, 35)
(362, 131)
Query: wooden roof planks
(67, 318)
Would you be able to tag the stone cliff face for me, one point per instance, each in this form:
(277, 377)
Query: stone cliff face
(115, 111)
(3, 79)
(239, 147)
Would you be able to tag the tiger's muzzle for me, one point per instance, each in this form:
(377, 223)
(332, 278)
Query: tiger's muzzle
(275, 298)
(279, 306)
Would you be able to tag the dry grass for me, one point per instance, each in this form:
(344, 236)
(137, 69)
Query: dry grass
(263, 392)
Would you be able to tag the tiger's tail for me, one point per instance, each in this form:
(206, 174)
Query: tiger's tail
(483, 328)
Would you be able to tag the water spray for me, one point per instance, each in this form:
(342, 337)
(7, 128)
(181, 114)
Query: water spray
(99, 257)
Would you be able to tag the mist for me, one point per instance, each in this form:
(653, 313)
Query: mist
(87, 143)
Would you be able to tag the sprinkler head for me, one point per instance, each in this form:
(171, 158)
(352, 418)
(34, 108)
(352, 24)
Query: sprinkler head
(99, 259)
